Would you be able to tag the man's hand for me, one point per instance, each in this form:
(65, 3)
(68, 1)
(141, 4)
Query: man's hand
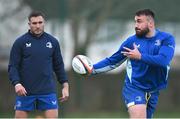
(132, 54)
(20, 90)
(65, 92)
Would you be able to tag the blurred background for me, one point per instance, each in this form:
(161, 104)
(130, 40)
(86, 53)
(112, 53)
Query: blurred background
(94, 28)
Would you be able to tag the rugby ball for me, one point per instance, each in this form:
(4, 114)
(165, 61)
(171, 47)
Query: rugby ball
(82, 64)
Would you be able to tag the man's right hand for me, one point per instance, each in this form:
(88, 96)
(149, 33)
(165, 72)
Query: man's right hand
(20, 90)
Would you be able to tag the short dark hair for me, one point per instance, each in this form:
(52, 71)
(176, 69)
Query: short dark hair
(35, 14)
(146, 12)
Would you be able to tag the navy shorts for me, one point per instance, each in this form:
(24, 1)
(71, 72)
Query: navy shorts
(36, 102)
(133, 96)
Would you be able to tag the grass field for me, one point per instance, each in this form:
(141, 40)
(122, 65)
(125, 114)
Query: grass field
(103, 115)
(119, 115)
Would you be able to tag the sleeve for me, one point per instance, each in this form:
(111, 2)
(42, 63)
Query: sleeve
(14, 63)
(58, 65)
(164, 56)
(111, 62)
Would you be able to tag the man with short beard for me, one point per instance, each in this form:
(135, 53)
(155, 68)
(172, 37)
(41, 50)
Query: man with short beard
(34, 57)
(148, 54)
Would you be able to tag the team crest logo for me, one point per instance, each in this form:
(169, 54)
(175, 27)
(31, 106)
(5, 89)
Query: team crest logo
(18, 104)
(49, 45)
(138, 98)
(157, 42)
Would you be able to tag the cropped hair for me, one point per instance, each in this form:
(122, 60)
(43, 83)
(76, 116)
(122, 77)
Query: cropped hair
(146, 12)
(35, 14)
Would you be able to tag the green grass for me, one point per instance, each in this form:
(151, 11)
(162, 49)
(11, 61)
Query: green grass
(96, 115)
(168, 114)
(101, 114)
(117, 115)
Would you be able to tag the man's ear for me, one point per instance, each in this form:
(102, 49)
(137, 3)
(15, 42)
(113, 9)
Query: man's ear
(151, 24)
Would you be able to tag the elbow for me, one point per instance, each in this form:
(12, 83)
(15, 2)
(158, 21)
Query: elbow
(163, 63)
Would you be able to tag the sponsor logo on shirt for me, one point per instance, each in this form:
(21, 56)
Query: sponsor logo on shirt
(49, 45)
(28, 45)
(171, 46)
(53, 102)
(138, 45)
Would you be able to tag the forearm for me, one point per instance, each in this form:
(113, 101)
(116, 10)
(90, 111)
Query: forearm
(162, 59)
(66, 85)
(14, 63)
(13, 75)
(158, 60)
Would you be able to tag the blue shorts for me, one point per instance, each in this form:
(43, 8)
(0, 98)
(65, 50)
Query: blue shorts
(36, 102)
(133, 96)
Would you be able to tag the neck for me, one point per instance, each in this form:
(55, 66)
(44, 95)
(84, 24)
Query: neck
(37, 35)
(151, 33)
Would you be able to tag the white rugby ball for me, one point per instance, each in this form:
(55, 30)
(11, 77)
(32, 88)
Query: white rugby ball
(82, 64)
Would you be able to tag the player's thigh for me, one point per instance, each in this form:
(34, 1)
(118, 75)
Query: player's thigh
(47, 102)
(137, 111)
(51, 113)
(135, 100)
(133, 96)
(21, 114)
(25, 103)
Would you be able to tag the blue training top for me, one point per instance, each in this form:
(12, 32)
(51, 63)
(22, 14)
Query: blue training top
(33, 61)
(151, 72)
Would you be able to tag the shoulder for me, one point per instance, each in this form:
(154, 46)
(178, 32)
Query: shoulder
(51, 38)
(166, 38)
(130, 39)
(21, 39)
(128, 42)
(164, 35)
(133, 37)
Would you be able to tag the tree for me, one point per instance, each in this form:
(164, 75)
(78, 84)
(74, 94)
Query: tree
(11, 17)
(92, 14)
(89, 14)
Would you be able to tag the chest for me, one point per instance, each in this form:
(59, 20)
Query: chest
(151, 46)
(37, 48)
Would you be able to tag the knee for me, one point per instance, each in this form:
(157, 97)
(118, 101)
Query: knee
(21, 114)
(137, 111)
(51, 113)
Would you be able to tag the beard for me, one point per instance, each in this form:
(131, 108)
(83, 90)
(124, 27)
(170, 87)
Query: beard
(141, 32)
(37, 32)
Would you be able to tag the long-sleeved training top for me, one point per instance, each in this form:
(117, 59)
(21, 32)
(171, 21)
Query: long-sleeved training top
(150, 73)
(33, 61)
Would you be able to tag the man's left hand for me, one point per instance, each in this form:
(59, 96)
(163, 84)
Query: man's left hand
(65, 92)
(132, 54)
